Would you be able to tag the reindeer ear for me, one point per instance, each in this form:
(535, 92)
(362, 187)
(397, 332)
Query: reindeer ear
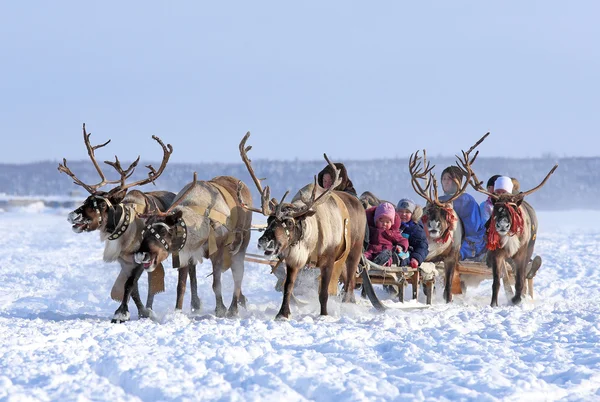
(173, 218)
(519, 201)
(117, 197)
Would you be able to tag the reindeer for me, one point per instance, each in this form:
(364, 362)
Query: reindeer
(204, 221)
(442, 224)
(511, 233)
(113, 214)
(325, 230)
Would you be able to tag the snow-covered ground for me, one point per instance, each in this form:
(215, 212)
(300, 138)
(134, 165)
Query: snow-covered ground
(57, 342)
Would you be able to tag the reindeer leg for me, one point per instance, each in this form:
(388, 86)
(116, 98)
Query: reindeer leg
(122, 313)
(288, 288)
(217, 263)
(182, 276)
(237, 270)
(449, 265)
(143, 312)
(326, 274)
(521, 260)
(350, 280)
(497, 264)
(196, 303)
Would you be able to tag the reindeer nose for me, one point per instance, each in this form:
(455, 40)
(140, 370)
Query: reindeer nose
(139, 258)
(74, 217)
(502, 226)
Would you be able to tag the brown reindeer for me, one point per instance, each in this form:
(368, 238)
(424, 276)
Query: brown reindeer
(442, 224)
(511, 233)
(324, 229)
(114, 213)
(204, 221)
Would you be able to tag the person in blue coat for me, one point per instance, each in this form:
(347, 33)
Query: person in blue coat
(410, 215)
(467, 209)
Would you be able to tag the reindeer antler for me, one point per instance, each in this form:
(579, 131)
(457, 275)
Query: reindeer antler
(91, 188)
(464, 165)
(313, 202)
(178, 201)
(153, 174)
(265, 194)
(523, 194)
(422, 171)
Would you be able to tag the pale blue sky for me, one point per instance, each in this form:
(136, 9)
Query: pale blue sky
(357, 80)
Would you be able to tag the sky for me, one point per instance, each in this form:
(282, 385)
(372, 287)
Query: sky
(357, 80)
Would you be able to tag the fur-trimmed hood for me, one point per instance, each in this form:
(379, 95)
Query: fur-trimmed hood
(346, 184)
(417, 214)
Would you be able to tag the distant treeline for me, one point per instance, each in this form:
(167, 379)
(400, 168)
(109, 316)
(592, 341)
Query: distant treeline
(573, 185)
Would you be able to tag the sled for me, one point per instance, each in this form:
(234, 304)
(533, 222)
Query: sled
(471, 274)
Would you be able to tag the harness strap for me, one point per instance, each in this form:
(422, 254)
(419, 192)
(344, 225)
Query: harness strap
(125, 220)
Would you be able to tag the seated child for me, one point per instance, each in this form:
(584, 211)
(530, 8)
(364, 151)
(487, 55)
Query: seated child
(412, 229)
(385, 237)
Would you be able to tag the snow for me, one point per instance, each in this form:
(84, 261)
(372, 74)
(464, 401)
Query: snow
(57, 342)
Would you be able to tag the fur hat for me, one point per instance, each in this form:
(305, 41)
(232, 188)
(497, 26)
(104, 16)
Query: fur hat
(503, 183)
(406, 203)
(516, 185)
(345, 184)
(385, 209)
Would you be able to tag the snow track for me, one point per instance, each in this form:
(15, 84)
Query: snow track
(57, 342)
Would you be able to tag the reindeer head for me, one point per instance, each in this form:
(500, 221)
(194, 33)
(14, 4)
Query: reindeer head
(439, 217)
(94, 211)
(506, 217)
(92, 214)
(164, 233)
(284, 222)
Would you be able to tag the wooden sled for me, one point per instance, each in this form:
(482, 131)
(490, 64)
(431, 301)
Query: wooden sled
(471, 274)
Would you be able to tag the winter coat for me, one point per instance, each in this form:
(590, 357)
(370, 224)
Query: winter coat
(379, 239)
(467, 210)
(418, 247)
(346, 185)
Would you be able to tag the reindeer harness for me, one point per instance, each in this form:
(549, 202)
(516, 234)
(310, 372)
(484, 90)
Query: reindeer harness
(180, 236)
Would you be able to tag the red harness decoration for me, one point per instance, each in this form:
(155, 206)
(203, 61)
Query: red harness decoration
(450, 219)
(517, 225)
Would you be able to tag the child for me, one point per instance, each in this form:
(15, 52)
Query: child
(412, 229)
(385, 236)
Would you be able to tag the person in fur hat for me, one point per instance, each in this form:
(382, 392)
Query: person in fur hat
(412, 228)
(467, 209)
(385, 236)
(325, 179)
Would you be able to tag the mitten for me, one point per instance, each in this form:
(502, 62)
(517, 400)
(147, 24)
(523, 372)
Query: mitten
(414, 263)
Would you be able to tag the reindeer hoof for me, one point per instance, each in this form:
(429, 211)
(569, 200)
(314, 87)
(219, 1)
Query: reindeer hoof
(145, 313)
(242, 301)
(120, 317)
(232, 313)
(196, 304)
(516, 300)
(220, 312)
(282, 317)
